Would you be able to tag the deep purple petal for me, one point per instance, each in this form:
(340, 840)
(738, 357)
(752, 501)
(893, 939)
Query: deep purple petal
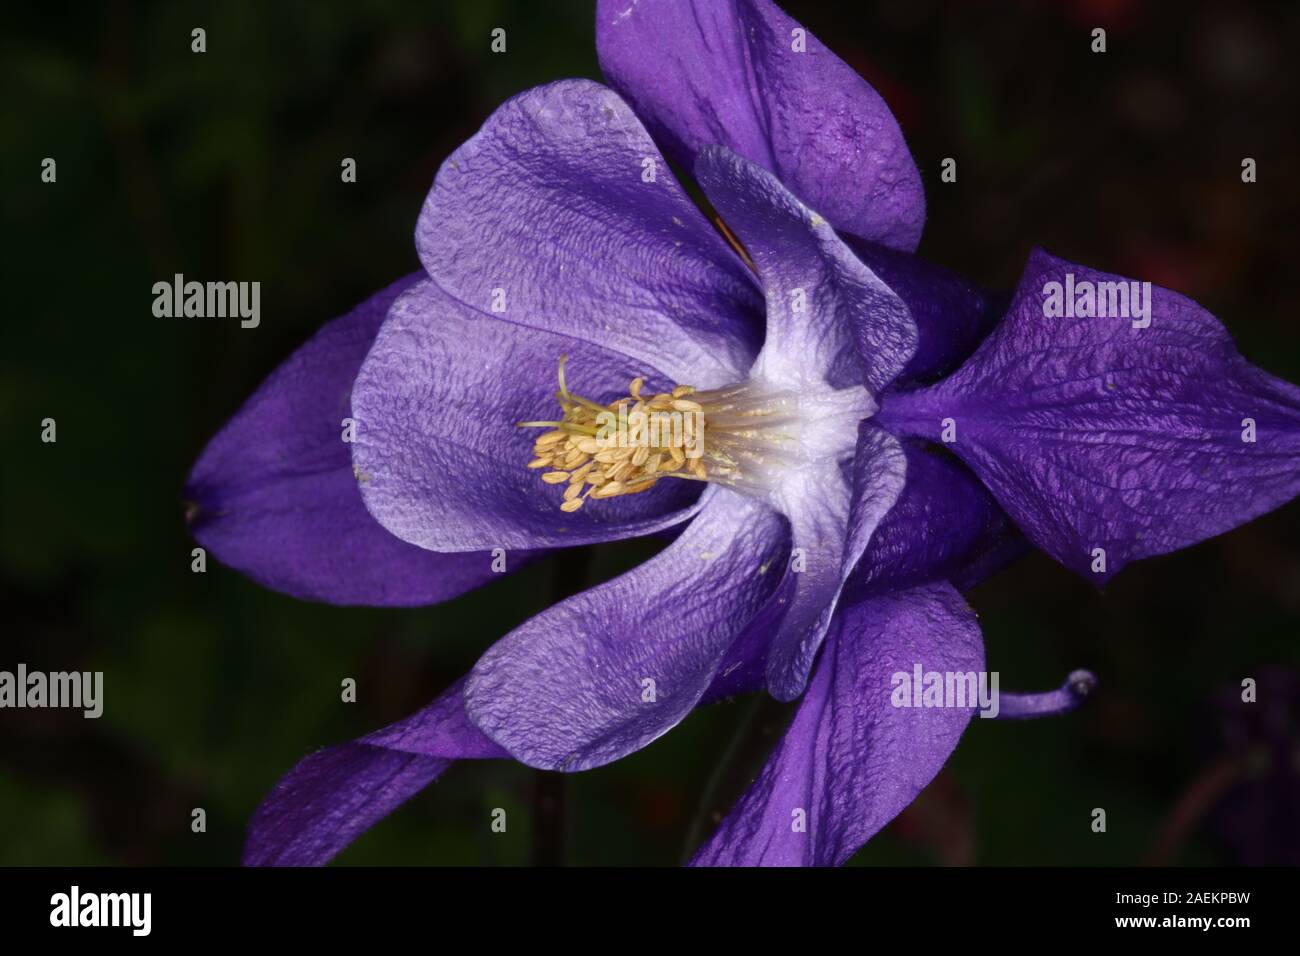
(831, 528)
(333, 796)
(829, 317)
(944, 526)
(851, 761)
(439, 457)
(952, 314)
(728, 72)
(568, 689)
(273, 493)
(561, 211)
(744, 667)
(1096, 435)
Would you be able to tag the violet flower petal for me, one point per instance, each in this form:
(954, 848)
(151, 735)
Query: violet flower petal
(732, 72)
(333, 796)
(438, 455)
(833, 525)
(568, 689)
(829, 317)
(273, 495)
(744, 667)
(952, 314)
(1096, 435)
(561, 214)
(944, 526)
(851, 761)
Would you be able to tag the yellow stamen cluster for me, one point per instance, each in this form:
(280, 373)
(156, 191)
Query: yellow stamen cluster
(580, 452)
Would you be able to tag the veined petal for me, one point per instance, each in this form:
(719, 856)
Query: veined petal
(851, 760)
(1114, 438)
(333, 796)
(831, 527)
(439, 456)
(742, 74)
(273, 493)
(560, 214)
(829, 317)
(607, 671)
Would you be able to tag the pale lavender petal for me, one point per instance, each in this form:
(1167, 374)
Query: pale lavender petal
(851, 760)
(831, 527)
(333, 796)
(742, 74)
(815, 287)
(439, 456)
(829, 317)
(1110, 439)
(560, 214)
(607, 671)
(273, 493)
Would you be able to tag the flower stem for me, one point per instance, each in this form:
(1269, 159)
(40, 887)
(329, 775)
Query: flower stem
(1199, 798)
(745, 744)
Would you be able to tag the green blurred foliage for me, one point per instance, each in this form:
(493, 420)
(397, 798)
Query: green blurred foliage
(226, 164)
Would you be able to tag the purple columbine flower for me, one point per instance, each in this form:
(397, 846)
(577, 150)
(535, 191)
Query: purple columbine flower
(823, 542)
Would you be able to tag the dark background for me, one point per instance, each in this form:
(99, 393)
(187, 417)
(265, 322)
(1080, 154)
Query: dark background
(226, 165)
